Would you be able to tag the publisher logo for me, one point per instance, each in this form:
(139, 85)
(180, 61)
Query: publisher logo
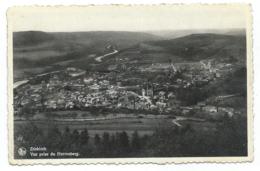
(22, 151)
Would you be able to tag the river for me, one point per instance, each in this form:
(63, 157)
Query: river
(98, 59)
(19, 83)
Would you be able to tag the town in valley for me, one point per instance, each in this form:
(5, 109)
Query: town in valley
(131, 94)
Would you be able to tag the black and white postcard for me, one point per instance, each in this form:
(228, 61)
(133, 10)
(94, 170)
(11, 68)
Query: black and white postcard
(130, 84)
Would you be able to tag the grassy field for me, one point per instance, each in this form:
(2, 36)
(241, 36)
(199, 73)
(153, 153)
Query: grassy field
(142, 125)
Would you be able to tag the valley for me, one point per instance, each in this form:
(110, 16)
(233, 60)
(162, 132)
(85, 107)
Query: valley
(129, 82)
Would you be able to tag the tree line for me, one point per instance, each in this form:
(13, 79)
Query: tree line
(118, 144)
(229, 138)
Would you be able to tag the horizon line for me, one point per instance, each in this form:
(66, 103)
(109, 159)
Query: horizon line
(145, 31)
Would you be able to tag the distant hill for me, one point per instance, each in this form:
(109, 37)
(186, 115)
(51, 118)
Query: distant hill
(171, 34)
(120, 38)
(27, 38)
(36, 49)
(37, 52)
(40, 48)
(203, 46)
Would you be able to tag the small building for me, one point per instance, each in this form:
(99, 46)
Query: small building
(75, 72)
(69, 105)
(51, 104)
(88, 80)
(210, 109)
(200, 105)
(143, 92)
(228, 110)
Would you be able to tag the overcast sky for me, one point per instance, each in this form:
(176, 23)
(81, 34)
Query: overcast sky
(127, 18)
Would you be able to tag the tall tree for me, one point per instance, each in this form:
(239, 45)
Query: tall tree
(97, 140)
(136, 144)
(124, 142)
(84, 137)
(75, 139)
(66, 139)
(54, 138)
(106, 143)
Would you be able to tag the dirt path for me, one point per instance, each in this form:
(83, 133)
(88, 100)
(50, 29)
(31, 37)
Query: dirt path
(99, 58)
(175, 121)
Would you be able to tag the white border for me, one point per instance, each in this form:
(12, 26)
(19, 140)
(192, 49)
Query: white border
(244, 7)
(4, 164)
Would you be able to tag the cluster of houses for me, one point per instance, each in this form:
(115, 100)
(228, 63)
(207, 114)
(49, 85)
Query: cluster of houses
(81, 90)
(84, 91)
(204, 110)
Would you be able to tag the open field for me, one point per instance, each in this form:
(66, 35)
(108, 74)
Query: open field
(143, 126)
